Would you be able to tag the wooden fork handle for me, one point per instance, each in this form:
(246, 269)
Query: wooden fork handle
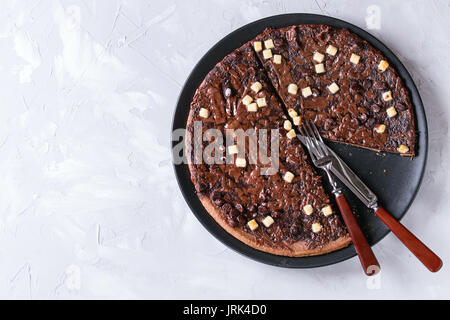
(364, 251)
(420, 250)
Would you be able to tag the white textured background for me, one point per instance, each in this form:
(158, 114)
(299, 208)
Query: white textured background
(89, 207)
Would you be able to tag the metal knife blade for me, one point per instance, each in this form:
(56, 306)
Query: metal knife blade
(350, 179)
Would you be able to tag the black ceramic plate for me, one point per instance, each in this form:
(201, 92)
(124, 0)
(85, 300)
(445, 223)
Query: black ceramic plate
(394, 179)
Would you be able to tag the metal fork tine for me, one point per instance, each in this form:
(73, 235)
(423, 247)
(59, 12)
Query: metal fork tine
(308, 144)
(319, 138)
(313, 139)
(308, 139)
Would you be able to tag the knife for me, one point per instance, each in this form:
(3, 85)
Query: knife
(354, 183)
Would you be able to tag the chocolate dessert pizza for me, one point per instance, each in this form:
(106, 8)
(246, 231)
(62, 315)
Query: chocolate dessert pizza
(269, 85)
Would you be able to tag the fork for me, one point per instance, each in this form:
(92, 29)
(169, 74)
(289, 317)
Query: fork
(322, 159)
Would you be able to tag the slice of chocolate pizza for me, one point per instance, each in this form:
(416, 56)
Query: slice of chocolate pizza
(277, 206)
(342, 83)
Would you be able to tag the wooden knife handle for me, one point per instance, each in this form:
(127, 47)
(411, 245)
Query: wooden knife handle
(421, 251)
(364, 251)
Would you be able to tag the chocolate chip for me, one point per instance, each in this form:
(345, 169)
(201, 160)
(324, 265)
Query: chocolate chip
(239, 207)
(346, 118)
(363, 117)
(354, 122)
(380, 85)
(356, 44)
(367, 84)
(262, 196)
(324, 36)
(355, 88)
(232, 221)
(241, 220)
(276, 214)
(217, 197)
(294, 229)
(375, 108)
(234, 213)
(226, 208)
(400, 107)
(201, 187)
(290, 35)
(263, 210)
(370, 122)
(327, 124)
(278, 42)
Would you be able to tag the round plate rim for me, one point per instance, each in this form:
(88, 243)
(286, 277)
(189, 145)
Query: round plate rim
(188, 192)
